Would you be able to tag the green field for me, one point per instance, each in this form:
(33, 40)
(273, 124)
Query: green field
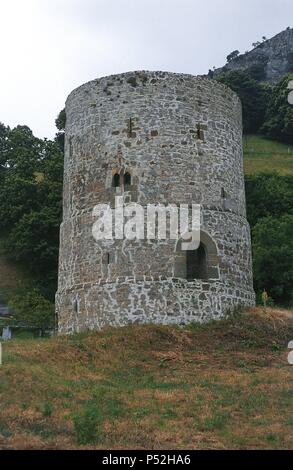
(261, 154)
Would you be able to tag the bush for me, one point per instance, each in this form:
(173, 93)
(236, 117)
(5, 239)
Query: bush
(266, 110)
(278, 123)
(31, 310)
(270, 212)
(31, 175)
(88, 422)
(253, 97)
(273, 257)
(268, 194)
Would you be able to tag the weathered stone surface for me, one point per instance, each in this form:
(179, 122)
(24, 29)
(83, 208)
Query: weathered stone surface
(275, 56)
(118, 282)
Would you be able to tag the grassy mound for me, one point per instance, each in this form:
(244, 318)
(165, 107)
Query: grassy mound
(223, 385)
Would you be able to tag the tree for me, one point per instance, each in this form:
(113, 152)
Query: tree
(31, 173)
(232, 55)
(268, 194)
(278, 122)
(273, 257)
(31, 310)
(61, 120)
(252, 95)
(4, 147)
(266, 109)
(270, 214)
(257, 71)
(60, 124)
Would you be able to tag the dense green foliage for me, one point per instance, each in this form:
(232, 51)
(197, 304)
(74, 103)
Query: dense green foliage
(30, 202)
(273, 257)
(268, 194)
(265, 107)
(270, 213)
(32, 310)
(252, 95)
(278, 123)
(233, 55)
(60, 124)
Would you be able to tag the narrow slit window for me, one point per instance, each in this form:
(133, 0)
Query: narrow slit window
(116, 180)
(200, 132)
(127, 179)
(223, 193)
(75, 306)
(107, 259)
(70, 147)
(130, 127)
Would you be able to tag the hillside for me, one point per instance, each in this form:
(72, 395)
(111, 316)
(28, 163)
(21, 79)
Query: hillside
(271, 59)
(261, 154)
(217, 386)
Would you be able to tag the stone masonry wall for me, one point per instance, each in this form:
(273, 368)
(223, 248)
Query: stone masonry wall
(180, 138)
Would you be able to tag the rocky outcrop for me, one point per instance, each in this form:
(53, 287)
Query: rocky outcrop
(269, 61)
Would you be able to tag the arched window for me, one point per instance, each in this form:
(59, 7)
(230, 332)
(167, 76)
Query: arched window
(121, 179)
(196, 263)
(116, 180)
(127, 179)
(202, 263)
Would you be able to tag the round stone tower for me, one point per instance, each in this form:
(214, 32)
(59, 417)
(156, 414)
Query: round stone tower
(153, 138)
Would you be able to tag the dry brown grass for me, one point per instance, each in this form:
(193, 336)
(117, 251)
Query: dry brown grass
(217, 386)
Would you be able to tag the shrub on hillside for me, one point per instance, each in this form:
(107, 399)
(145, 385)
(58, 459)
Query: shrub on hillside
(31, 310)
(278, 122)
(253, 96)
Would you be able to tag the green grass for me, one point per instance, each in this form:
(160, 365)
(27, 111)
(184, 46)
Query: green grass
(220, 385)
(264, 155)
(89, 420)
(216, 421)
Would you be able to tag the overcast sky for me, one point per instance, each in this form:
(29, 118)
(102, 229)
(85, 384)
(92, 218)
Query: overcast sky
(49, 47)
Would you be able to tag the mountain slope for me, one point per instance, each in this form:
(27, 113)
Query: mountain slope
(271, 59)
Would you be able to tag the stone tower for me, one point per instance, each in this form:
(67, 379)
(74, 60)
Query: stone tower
(153, 138)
